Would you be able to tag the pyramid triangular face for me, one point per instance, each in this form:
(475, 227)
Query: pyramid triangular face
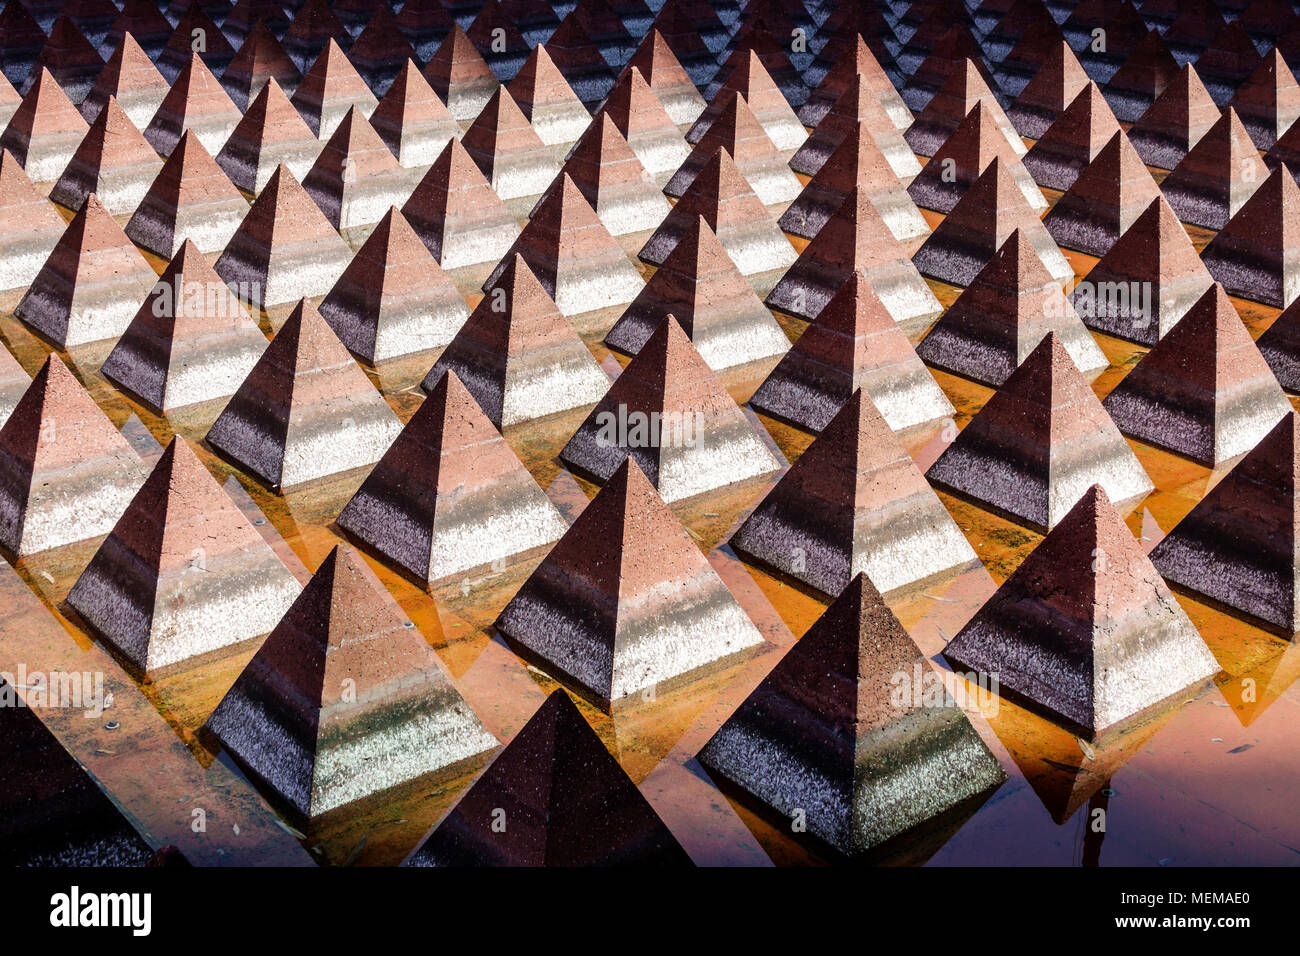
(412, 121)
(505, 147)
(1146, 282)
(183, 572)
(1058, 81)
(460, 76)
(1002, 316)
(853, 343)
(1142, 78)
(823, 731)
(196, 102)
(393, 299)
(305, 411)
(456, 213)
(855, 62)
(669, 412)
(113, 161)
(964, 87)
(70, 58)
(546, 99)
(936, 62)
(1072, 141)
(131, 78)
(191, 340)
(721, 194)
(1238, 545)
(1176, 121)
(568, 800)
(344, 674)
(518, 355)
(580, 265)
(749, 79)
(330, 89)
(700, 285)
(314, 25)
(381, 52)
(271, 132)
(857, 107)
(180, 47)
(585, 612)
(90, 285)
(494, 32)
(285, 249)
(1039, 443)
(609, 174)
(1228, 62)
(65, 473)
(30, 226)
(1203, 390)
(23, 38)
(671, 85)
(576, 56)
(963, 157)
(1217, 176)
(191, 199)
(450, 495)
(1256, 254)
(854, 239)
(1107, 197)
(356, 179)
(45, 131)
(979, 224)
(854, 502)
(1085, 629)
(646, 125)
(260, 57)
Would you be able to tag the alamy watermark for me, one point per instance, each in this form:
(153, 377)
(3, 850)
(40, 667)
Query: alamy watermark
(624, 428)
(75, 690)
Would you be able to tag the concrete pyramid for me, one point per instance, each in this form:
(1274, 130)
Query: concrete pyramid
(1108, 197)
(314, 25)
(460, 76)
(1000, 318)
(860, 61)
(681, 35)
(979, 224)
(824, 732)
(577, 57)
(196, 102)
(260, 58)
(381, 52)
(45, 131)
(113, 161)
(455, 212)
(509, 152)
(1217, 175)
(614, 182)
(449, 495)
(854, 502)
(754, 84)
(854, 343)
(1203, 390)
(586, 614)
(1143, 77)
(1256, 254)
(21, 39)
(669, 412)
(70, 58)
(1085, 629)
(183, 573)
(546, 99)
(270, 133)
(964, 87)
(857, 107)
(571, 803)
(305, 411)
(65, 473)
(180, 46)
(700, 285)
(329, 90)
(854, 239)
(130, 78)
(1072, 141)
(246, 15)
(412, 121)
(1175, 122)
(646, 125)
(664, 72)
(517, 353)
(579, 264)
(30, 226)
(1227, 63)
(1039, 443)
(285, 249)
(356, 179)
(345, 699)
(1054, 87)
(393, 299)
(1237, 547)
(1280, 346)
(425, 24)
(504, 48)
(1146, 282)
(90, 285)
(605, 27)
(956, 165)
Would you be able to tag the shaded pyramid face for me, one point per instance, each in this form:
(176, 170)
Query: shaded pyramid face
(857, 107)
(305, 411)
(90, 285)
(260, 58)
(197, 103)
(852, 63)
(1143, 77)
(1055, 85)
(751, 80)
(1203, 390)
(393, 299)
(191, 340)
(953, 102)
(460, 76)
(65, 473)
(1256, 254)
(271, 132)
(345, 699)
(356, 179)
(670, 82)
(827, 734)
(1175, 122)
(645, 124)
(1107, 198)
(853, 343)
(113, 161)
(1039, 443)
(412, 121)
(330, 89)
(1002, 316)
(45, 131)
(700, 285)
(611, 178)
(564, 800)
(30, 226)
(53, 812)
(669, 412)
(131, 78)
(505, 147)
(577, 57)
(1280, 346)
(1085, 629)
(450, 495)
(544, 96)
(180, 47)
(625, 603)
(70, 58)
(285, 249)
(518, 355)
(461, 221)
(854, 502)
(1146, 282)
(1072, 141)
(1217, 176)
(1237, 547)
(381, 51)
(183, 572)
